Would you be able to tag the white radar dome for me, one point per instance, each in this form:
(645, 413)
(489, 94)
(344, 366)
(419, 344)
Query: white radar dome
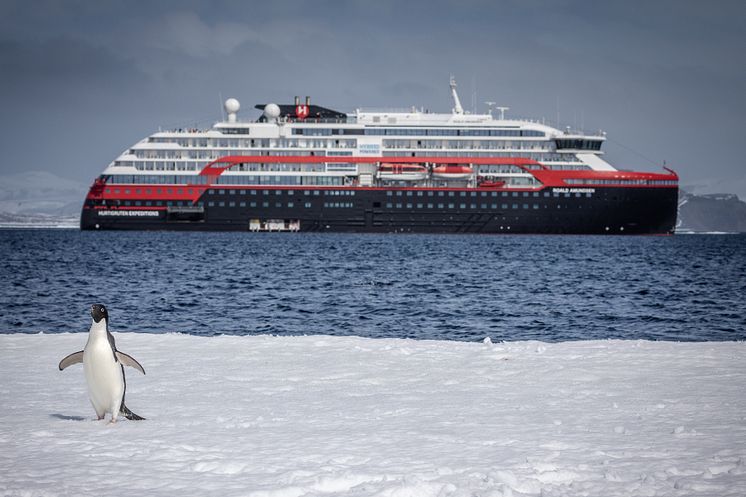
(232, 106)
(272, 111)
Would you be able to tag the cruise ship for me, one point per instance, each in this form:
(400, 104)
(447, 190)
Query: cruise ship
(303, 167)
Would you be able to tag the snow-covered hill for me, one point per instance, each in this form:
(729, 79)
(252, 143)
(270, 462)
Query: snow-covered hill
(35, 193)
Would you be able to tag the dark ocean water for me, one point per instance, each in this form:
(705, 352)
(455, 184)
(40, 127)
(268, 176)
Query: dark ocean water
(548, 288)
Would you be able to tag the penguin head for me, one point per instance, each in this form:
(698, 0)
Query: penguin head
(99, 312)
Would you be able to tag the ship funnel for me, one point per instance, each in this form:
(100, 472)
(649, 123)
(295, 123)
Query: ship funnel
(297, 101)
(231, 107)
(308, 101)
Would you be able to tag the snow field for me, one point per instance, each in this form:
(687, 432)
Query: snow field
(325, 416)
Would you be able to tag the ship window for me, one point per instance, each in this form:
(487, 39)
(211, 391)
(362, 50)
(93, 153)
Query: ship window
(419, 194)
(242, 204)
(504, 194)
(315, 192)
(409, 194)
(503, 206)
(389, 193)
(515, 206)
(472, 206)
(419, 206)
(231, 204)
(450, 206)
(278, 204)
(389, 205)
(484, 206)
(536, 206)
(588, 195)
(409, 206)
(440, 206)
(291, 204)
(398, 194)
(440, 194)
(429, 206)
(307, 205)
(536, 194)
(546, 194)
(221, 192)
(242, 192)
(209, 204)
(221, 204)
(473, 194)
(525, 194)
(398, 206)
(265, 204)
(525, 206)
(451, 194)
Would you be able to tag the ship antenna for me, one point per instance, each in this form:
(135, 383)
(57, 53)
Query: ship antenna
(502, 112)
(489, 105)
(220, 100)
(457, 109)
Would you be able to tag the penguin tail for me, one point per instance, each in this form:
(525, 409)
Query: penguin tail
(129, 414)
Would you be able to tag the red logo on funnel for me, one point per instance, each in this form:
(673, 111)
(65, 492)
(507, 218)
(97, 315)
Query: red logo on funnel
(301, 111)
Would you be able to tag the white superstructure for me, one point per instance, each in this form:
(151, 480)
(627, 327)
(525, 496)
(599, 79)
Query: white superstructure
(387, 133)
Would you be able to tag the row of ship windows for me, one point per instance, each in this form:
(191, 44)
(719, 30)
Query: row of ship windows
(416, 132)
(578, 144)
(160, 165)
(159, 179)
(346, 144)
(471, 144)
(345, 193)
(621, 182)
(537, 156)
(308, 205)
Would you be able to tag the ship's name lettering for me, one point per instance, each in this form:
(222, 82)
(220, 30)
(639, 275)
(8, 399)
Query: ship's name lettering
(369, 148)
(124, 213)
(573, 190)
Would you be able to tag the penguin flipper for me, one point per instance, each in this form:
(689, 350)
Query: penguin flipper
(128, 360)
(73, 358)
(129, 414)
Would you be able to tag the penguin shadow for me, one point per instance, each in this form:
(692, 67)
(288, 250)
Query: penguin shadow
(65, 417)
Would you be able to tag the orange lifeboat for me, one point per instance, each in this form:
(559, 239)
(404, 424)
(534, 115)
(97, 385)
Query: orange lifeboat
(490, 183)
(452, 171)
(402, 172)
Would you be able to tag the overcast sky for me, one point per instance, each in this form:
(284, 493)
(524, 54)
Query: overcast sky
(80, 81)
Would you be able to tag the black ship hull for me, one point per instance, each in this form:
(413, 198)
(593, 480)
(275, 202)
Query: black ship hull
(602, 210)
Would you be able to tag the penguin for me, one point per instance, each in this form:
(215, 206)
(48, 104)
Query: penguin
(104, 365)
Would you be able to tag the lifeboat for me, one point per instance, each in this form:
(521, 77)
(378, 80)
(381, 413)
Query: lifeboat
(452, 171)
(491, 183)
(402, 172)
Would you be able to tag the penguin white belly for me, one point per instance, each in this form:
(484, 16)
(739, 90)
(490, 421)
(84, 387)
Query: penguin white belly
(104, 378)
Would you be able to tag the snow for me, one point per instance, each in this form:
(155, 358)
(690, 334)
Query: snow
(327, 416)
(38, 194)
